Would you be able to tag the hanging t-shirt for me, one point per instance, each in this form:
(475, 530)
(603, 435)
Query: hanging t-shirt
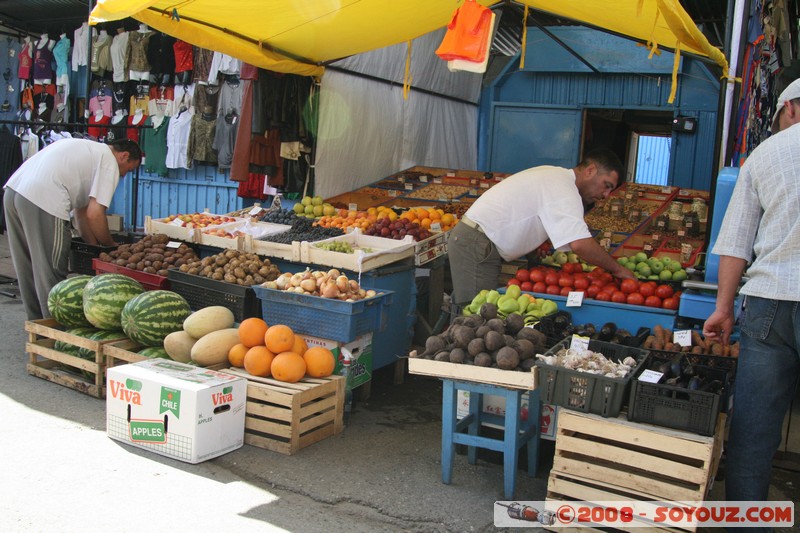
(154, 146)
(25, 62)
(101, 98)
(184, 56)
(137, 51)
(97, 126)
(119, 57)
(178, 140)
(161, 55)
(43, 62)
(135, 120)
(161, 100)
(225, 139)
(61, 56)
(101, 54)
(201, 139)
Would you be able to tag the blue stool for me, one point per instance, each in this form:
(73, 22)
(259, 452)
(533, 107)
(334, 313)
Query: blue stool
(517, 432)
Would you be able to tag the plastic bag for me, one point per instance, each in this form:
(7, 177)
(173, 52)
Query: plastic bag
(467, 35)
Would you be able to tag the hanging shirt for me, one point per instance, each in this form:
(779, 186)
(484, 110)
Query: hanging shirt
(25, 62)
(135, 120)
(161, 55)
(178, 140)
(154, 145)
(137, 51)
(43, 62)
(120, 97)
(202, 64)
(184, 98)
(225, 139)
(223, 64)
(81, 49)
(101, 98)
(201, 139)
(97, 127)
(184, 56)
(161, 100)
(61, 55)
(119, 56)
(230, 98)
(101, 54)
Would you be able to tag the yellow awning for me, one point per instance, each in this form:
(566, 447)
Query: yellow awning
(297, 36)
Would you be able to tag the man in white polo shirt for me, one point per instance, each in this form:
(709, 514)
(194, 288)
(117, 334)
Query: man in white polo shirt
(517, 215)
(75, 177)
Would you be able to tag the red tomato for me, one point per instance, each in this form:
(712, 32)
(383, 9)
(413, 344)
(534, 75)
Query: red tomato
(605, 276)
(553, 289)
(581, 283)
(566, 280)
(671, 303)
(565, 291)
(598, 283)
(608, 289)
(513, 281)
(526, 286)
(523, 274)
(664, 291)
(566, 268)
(536, 275)
(539, 286)
(629, 286)
(592, 291)
(652, 301)
(635, 298)
(551, 278)
(619, 297)
(648, 288)
(603, 297)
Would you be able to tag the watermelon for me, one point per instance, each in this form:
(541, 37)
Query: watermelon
(104, 297)
(71, 349)
(154, 352)
(151, 316)
(65, 302)
(99, 335)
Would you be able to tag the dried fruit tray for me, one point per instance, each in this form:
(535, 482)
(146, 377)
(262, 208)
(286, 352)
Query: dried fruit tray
(381, 252)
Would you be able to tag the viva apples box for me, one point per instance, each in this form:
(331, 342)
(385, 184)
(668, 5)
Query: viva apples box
(182, 411)
(361, 350)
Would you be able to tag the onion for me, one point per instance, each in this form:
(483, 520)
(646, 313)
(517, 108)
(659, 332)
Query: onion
(270, 285)
(309, 285)
(354, 285)
(283, 281)
(296, 279)
(342, 283)
(334, 273)
(330, 290)
(370, 293)
(362, 293)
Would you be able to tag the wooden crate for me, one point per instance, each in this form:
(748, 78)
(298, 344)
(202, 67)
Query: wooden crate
(125, 351)
(286, 417)
(46, 362)
(612, 459)
(512, 379)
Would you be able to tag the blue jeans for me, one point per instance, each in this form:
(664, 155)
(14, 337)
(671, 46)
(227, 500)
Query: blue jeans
(766, 381)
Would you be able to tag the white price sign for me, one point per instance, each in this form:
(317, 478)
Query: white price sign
(580, 344)
(392, 193)
(256, 210)
(650, 376)
(437, 180)
(423, 179)
(409, 187)
(575, 299)
(484, 185)
(436, 227)
(443, 199)
(451, 174)
(352, 207)
(173, 244)
(177, 222)
(682, 337)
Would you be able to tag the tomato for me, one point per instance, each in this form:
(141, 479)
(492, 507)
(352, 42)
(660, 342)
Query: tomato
(513, 281)
(539, 286)
(619, 297)
(603, 297)
(553, 289)
(598, 283)
(605, 276)
(592, 291)
(523, 274)
(671, 303)
(581, 283)
(526, 286)
(652, 301)
(566, 280)
(608, 289)
(635, 298)
(536, 275)
(648, 288)
(664, 291)
(551, 278)
(566, 268)
(629, 286)
(565, 291)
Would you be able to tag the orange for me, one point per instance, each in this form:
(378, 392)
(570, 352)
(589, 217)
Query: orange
(258, 361)
(251, 332)
(236, 355)
(289, 367)
(300, 345)
(279, 338)
(448, 219)
(319, 362)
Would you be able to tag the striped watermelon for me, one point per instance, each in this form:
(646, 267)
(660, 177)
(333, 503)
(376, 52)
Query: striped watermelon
(65, 302)
(71, 349)
(154, 352)
(104, 297)
(152, 315)
(100, 335)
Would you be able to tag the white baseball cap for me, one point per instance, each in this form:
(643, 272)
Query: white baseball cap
(791, 92)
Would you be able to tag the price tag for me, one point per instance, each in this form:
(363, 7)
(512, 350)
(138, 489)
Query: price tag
(629, 195)
(615, 208)
(437, 180)
(443, 199)
(484, 185)
(423, 179)
(498, 179)
(436, 226)
(173, 244)
(575, 299)
(682, 337)
(392, 193)
(647, 246)
(681, 233)
(607, 234)
(660, 223)
(256, 210)
(656, 236)
(580, 344)
(666, 190)
(352, 207)
(409, 187)
(401, 179)
(451, 174)
(689, 224)
(177, 222)
(650, 376)
(473, 181)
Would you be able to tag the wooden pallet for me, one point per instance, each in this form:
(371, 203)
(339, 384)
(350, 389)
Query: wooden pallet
(493, 376)
(612, 459)
(286, 417)
(46, 362)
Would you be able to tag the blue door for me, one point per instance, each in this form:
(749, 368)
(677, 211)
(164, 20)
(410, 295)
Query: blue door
(527, 136)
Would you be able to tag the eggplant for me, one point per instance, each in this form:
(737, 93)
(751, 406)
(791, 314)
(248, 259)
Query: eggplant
(711, 386)
(675, 365)
(694, 383)
(688, 370)
(666, 369)
(607, 331)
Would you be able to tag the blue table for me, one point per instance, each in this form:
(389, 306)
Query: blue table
(517, 433)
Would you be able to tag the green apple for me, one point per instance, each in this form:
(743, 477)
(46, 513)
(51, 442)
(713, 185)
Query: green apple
(665, 275)
(306, 200)
(317, 210)
(653, 277)
(622, 260)
(298, 208)
(560, 257)
(316, 200)
(643, 269)
(680, 275)
(309, 210)
(640, 257)
(328, 210)
(630, 265)
(672, 266)
(656, 266)
(572, 257)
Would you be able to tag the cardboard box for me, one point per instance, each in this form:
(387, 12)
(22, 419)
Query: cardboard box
(361, 348)
(496, 405)
(185, 412)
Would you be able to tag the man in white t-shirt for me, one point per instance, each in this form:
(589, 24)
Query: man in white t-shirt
(71, 177)
(517, 215)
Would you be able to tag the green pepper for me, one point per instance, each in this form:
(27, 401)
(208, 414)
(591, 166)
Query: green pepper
(492, 297)
(514, 291)
(507, 306)
(549, 307)
(479, 300)
(522, 302)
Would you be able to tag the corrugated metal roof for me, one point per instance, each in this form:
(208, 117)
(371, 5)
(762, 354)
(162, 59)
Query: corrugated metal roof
(40, 16)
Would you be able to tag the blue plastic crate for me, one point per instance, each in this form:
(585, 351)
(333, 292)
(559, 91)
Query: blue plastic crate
(322, 317)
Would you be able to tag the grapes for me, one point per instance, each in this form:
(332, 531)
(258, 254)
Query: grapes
(337, 246)
(280, 216)
(303, 229)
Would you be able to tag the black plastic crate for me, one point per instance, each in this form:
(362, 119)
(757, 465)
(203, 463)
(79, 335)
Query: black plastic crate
(82, 253)
(678, 407)
(586, 392)
(201, 292)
